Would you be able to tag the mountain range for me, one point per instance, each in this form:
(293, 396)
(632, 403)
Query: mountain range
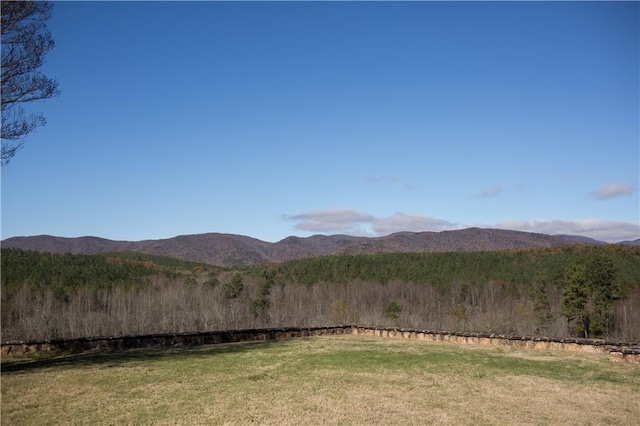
(237, 250)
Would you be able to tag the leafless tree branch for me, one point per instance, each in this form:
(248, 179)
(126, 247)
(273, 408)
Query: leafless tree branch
(25, 42)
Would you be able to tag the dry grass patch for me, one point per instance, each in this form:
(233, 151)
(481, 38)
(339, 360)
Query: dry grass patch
(323, 380)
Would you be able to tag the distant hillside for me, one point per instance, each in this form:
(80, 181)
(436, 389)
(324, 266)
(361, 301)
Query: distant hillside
(236, 250)
(631, 243)
(578, 239)
(80, 245)
(471, 239)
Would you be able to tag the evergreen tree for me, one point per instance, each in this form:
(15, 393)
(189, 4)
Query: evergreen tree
(604, 292)
(542, 307)
(234, 288)
(589, 293)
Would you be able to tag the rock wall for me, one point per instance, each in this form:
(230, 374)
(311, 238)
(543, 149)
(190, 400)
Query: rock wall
(617, 351)
(168, 339)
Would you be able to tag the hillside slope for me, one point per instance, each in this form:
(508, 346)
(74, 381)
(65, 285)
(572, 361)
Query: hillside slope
(235, 250)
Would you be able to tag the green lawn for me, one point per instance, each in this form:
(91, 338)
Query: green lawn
(322, 380)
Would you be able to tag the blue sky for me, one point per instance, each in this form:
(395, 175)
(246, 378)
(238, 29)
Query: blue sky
(366, 118)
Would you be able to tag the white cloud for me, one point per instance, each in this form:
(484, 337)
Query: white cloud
(492, 191)
(331, 221)
(612, 190)
(603, 230)
(408, 222)
(356, 222)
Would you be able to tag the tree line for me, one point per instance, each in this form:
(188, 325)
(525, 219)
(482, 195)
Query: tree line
(572, 291)
(523, 267)
(66, 274)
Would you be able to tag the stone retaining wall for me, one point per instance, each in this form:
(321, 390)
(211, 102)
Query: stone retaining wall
(168, 339)
(617, 351)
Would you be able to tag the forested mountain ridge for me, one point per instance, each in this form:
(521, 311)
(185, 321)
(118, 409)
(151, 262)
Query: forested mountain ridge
(236, 250)
(631, 243)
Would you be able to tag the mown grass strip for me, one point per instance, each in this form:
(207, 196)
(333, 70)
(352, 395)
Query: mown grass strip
(323, 380)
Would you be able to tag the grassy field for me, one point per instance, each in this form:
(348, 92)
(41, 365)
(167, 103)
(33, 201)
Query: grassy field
(324, 380)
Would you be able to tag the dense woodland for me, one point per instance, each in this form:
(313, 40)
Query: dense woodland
(577, 290)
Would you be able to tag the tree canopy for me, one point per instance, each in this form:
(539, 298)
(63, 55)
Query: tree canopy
(589, 293)
(25, 42)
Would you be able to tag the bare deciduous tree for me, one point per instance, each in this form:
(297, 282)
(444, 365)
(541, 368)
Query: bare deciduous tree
(25, 42)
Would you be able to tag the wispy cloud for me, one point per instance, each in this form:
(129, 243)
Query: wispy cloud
(331, 221)
(603, 230)
(409, 222)
(492, 191)
(356, 222)
(612, 190)
(381, 179)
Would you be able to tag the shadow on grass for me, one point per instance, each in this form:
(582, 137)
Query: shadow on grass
(34, 362)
